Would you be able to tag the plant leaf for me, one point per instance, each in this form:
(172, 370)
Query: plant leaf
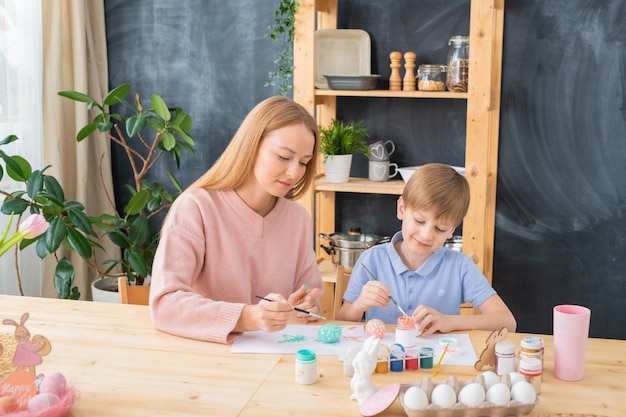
(138, 263)
(137, 202)
(18, 168)
(86, 131)
(76, 96)
(134, 124)
(8, 139)
(64, 277)
(55, 234)
(116, 94)
(167, 140)
(160, 108)
(79, 243)
(53, 187)
(80, 220)
(139, 230)
(34, 184)
(13, 205)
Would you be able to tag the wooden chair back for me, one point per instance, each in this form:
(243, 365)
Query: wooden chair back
(132, 294)
(341, 284)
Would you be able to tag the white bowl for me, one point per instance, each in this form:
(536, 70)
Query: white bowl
(406, 172)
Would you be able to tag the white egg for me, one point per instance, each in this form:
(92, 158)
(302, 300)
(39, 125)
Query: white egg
(499, 394)
(516, 377)
(472, 395)
(415, 399)
(490, 378)
(444, 396)
(523, 392)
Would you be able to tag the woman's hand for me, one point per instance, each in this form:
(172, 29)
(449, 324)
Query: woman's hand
(306, 299)
(430, 320)
(271, 316)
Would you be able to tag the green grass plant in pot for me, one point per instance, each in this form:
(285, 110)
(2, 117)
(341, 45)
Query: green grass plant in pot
(131, 229)
(338, 142)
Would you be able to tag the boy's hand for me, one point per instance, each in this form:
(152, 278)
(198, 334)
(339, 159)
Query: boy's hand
(430, 320)
(373, 294)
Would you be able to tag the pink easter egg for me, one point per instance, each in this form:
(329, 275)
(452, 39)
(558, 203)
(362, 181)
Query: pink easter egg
(43, 401)
(54, 383)
(375, 327)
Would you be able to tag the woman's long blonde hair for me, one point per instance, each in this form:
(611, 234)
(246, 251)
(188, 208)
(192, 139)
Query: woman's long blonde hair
(237, 161)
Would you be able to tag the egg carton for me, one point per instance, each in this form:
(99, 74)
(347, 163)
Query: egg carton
(486, 409)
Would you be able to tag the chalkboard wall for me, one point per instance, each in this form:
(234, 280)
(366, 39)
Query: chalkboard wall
(560, 226)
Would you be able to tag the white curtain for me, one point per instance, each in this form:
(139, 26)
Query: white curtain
(20, 114)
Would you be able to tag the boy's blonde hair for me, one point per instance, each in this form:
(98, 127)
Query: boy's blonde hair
(236, 162)
(440, 188)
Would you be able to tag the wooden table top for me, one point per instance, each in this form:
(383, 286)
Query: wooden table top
(122, 366)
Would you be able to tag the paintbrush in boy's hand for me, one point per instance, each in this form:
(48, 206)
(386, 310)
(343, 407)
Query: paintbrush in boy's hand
(390, 297)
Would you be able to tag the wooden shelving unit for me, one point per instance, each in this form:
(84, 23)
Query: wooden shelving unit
(483, 113)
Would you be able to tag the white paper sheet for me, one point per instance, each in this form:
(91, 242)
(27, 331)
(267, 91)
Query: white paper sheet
(297, 336)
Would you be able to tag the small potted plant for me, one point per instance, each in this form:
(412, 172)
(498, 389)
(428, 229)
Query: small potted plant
(338, 142)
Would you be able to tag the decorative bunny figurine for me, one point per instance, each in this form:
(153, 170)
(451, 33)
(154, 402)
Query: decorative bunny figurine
(487, 356)
(28, 352)
(364, 365)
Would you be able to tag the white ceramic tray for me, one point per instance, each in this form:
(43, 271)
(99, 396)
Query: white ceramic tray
(341, 52)
(406, 172)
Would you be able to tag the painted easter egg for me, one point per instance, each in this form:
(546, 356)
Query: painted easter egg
(53, 383)
(8, 404)
(43, 401)
(375, 327)
(329, 333)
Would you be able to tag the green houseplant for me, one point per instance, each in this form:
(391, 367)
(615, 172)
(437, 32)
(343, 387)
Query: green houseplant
(283, 30)
(338, 142)
(131, 230)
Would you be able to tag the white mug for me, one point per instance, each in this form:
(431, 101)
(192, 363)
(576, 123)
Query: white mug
(379, 170)
(381, 151)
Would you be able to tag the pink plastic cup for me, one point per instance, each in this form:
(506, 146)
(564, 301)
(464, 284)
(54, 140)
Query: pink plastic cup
(571, 331)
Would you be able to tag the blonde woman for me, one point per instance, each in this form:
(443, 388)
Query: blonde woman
(235, 234)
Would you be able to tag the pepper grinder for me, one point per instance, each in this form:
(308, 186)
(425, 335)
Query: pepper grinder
(395, 81)
(409, 71)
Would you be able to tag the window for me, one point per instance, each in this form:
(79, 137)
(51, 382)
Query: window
(20, 114)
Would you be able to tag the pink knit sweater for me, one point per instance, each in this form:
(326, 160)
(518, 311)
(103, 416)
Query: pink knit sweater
(216, 254)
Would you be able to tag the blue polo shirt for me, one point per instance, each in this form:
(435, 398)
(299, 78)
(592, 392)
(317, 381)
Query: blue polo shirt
(446, 280)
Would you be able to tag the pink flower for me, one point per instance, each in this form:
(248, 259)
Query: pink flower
(34, 226)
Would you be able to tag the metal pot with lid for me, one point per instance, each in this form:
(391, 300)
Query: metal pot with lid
(346, 248)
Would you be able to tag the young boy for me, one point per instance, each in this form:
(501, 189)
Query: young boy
(428, 281)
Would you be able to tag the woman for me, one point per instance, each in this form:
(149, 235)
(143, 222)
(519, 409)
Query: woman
(235, 234)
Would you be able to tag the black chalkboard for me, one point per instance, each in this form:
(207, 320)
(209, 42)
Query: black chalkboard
(208, 57)
(560, 225)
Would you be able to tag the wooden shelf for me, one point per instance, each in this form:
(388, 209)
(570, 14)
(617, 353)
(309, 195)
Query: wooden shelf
(482, 122)
(389, 93)
(361, 185)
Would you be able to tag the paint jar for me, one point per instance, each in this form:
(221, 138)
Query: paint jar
(396, 359)
(504, 362)
(532, 371)
(382, 364)
(458, 64)
(306, 367)
(405, 331)
(532, 347)
(412, 360)
(426, 357)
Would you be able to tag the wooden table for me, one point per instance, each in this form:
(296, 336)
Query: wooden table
(121, 366)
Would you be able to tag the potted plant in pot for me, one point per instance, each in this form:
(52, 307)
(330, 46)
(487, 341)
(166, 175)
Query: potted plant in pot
(132, 229)
(338, 142)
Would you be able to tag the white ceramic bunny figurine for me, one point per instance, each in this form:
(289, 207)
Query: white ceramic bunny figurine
(364, 365)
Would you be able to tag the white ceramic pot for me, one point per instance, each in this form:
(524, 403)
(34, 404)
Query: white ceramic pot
(337, 168)
(105, 290)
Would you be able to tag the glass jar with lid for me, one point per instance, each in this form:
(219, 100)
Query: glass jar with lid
(458, 64)
(431, 77)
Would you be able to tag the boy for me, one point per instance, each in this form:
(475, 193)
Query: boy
(427, 280)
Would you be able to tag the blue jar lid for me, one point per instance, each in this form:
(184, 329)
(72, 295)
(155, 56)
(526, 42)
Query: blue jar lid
(305, 355)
